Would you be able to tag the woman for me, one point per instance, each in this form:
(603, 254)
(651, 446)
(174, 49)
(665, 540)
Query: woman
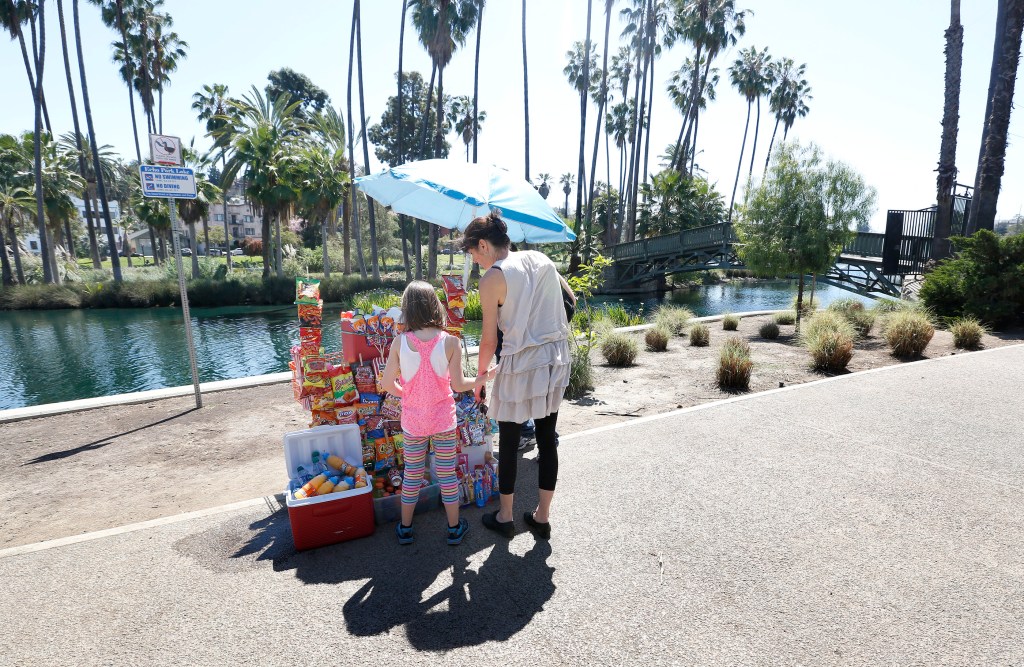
(521, 295)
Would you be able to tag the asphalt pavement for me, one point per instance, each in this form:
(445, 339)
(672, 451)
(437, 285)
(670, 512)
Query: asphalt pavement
(875, 518)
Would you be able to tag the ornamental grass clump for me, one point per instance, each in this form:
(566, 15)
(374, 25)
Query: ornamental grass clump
(673, 319)
(828, 336)
(734, 364)
(787, 317)
(656, 339)
(856, 314)
(769, 331)
(810, 304)
(581, 373)
(908, 333)
(619, 349)
(700, 335)
(967, 332)
(730, 322)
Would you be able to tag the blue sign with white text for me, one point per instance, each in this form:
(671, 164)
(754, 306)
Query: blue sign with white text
(167, 182)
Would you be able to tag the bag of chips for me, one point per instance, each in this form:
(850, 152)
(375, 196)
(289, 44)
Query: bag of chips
(310, 316)
(453, 286)
(346, 416)
(309, 341)
(366, 381)
(384, 450)
(307, 291)
(343, 386)
(391, 407)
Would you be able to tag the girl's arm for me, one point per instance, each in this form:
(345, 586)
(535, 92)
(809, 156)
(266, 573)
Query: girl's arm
(392, 370)
(459, 381)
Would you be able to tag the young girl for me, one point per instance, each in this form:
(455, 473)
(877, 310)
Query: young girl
(424, 366)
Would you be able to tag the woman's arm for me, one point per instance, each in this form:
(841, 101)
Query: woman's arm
(566, 288)
(392, 370)
(492, 290)
(459, 381)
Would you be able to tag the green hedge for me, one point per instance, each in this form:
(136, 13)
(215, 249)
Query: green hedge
(203, 292)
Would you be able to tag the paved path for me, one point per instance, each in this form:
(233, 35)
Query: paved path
(871, 519)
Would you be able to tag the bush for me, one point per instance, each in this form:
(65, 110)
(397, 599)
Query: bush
(734, 364)
(673, 319)
(983, 280)
(967, 332)
(853, 311)
(581, 374)
(365, 301)
(254, 247)
(602, 326)
(619, 349)
(846, 305)
(886, 306)
(730, 322)
(786, 317)
(622, 317)
(810, 304)
(656, 339)
(769, 330)
(908, 333)
(700, 335)
(473, 309)
(828, 336)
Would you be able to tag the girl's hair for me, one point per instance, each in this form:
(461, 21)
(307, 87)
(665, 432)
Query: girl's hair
(421, 309)
(486, 228)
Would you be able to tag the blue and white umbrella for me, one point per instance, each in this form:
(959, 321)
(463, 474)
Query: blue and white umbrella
(451, 194)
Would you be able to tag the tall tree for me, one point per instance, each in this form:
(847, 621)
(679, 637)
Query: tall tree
(403, 221)
(567, 180)
(1005, 57)
(476, 72)
(39, 51)
(115, 261)
(946, 180)
(299, 88)
(375, 267)
(581, 178)
(12, 15)
(602, 105)
(443, 26)
(211, 105)
(788, 98)
(168, 50)
(526, 99)
(353, 204)
(747, 74)
(112, 13)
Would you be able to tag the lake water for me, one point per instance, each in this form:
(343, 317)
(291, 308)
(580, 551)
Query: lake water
(64, 355)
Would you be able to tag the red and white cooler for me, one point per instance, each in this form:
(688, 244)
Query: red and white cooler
(335, 517)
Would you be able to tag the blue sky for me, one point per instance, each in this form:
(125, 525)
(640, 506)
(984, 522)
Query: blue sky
(876, 69)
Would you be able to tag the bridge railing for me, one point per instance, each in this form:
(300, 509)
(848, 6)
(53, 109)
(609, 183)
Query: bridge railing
(865, 244)
(710, 236)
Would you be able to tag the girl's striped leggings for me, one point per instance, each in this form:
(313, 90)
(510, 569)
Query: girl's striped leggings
(416, 458)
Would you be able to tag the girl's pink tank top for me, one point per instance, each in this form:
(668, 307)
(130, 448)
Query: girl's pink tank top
(427, 404)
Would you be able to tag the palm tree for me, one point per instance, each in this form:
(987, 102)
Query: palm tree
(12, 15)
(443, 26)
(748, 75)
(403, 220)
(15, 205)
(324, 176)
(112, 13)
(210, 104)
(946, 180)
(788, 98)
(375, 267)
(602, 106)
(168, 49)
(353, 203)
(1005, 57)
(77, 135)
(476, 74)
(581, 63)
(618, 124)
(467, 123)
(263, 135)
(526, 99)
(81, 146)
(192, 211)
(567, 180)
(679, 92)
(61, 181)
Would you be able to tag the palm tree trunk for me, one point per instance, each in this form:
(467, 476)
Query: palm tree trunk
(366, 144)
(526, 104)
(351, 143)
(438, 147)
(800, 300)
(581, 175)
(346, 235)
(619, 227)
(626, 229)
(115, 261)
(691, 111)
(327, 256)
(403, 224)
(224, 208)
(1001, 86)
(693, 147)
(16, 247)
(635, 186)
(161, 98)
(771, 143)
(753, 148)
(206, 238)
(739, 167)
(94, 218)
(152, 243)
(266, 236)
(6, 277)
(427, 111)
(70, 241)
(597, 130)
(44, 246)
(946, 180)
(650, 110)
(194, 247)
(476, 76)
(119, 4)
(278, 250)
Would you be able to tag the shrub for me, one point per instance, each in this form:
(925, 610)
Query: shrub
(967, 332)
(769, 330)
(365, 301)
(700, 335)
(983, 280)
(473, 309)
(786, 317)
(846, 305)
(908, 333)
(622, 317)
(810, 304)
(828, 336)
(602, 326)
(619, 349)
(673, 319)
(254, 248)
(853, 311)
(886, 306)
(656, 339)
(730, 322)
(734, 364)
(581, 374)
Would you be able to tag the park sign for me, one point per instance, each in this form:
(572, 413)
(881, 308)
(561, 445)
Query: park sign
(165, 150)
(167, 182)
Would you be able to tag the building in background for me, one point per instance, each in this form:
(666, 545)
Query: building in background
(242, 220)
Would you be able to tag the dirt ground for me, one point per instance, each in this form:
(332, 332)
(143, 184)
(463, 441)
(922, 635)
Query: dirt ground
(87, 471)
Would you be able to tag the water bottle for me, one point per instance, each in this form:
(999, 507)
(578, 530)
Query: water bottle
(302, 475)
(318, 463)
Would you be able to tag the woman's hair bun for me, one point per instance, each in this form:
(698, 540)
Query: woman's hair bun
(489, 228)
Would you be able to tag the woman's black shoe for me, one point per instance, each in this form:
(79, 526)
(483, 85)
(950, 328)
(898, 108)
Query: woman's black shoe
(506, 528)
(541, 530)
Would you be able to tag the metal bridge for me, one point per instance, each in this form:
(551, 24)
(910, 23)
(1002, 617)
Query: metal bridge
(872, 264)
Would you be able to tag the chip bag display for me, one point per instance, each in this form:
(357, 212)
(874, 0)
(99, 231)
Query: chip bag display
(343, 386)
(309, 341)
(453, 286)
(391, 407)
(310, 316)
(366, 381)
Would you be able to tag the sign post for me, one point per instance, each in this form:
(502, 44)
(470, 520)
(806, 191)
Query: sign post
(174, 183)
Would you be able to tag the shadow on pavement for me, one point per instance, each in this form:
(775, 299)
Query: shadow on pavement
(443, 596)
(102, 442)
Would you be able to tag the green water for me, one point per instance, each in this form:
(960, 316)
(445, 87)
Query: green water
(64, 355)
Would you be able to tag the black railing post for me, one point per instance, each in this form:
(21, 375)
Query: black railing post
(891, 245)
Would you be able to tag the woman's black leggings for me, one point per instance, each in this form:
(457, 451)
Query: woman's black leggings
(508, 454)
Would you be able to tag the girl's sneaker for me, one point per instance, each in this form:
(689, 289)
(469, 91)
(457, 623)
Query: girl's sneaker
(456, 534)
(404, 533)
